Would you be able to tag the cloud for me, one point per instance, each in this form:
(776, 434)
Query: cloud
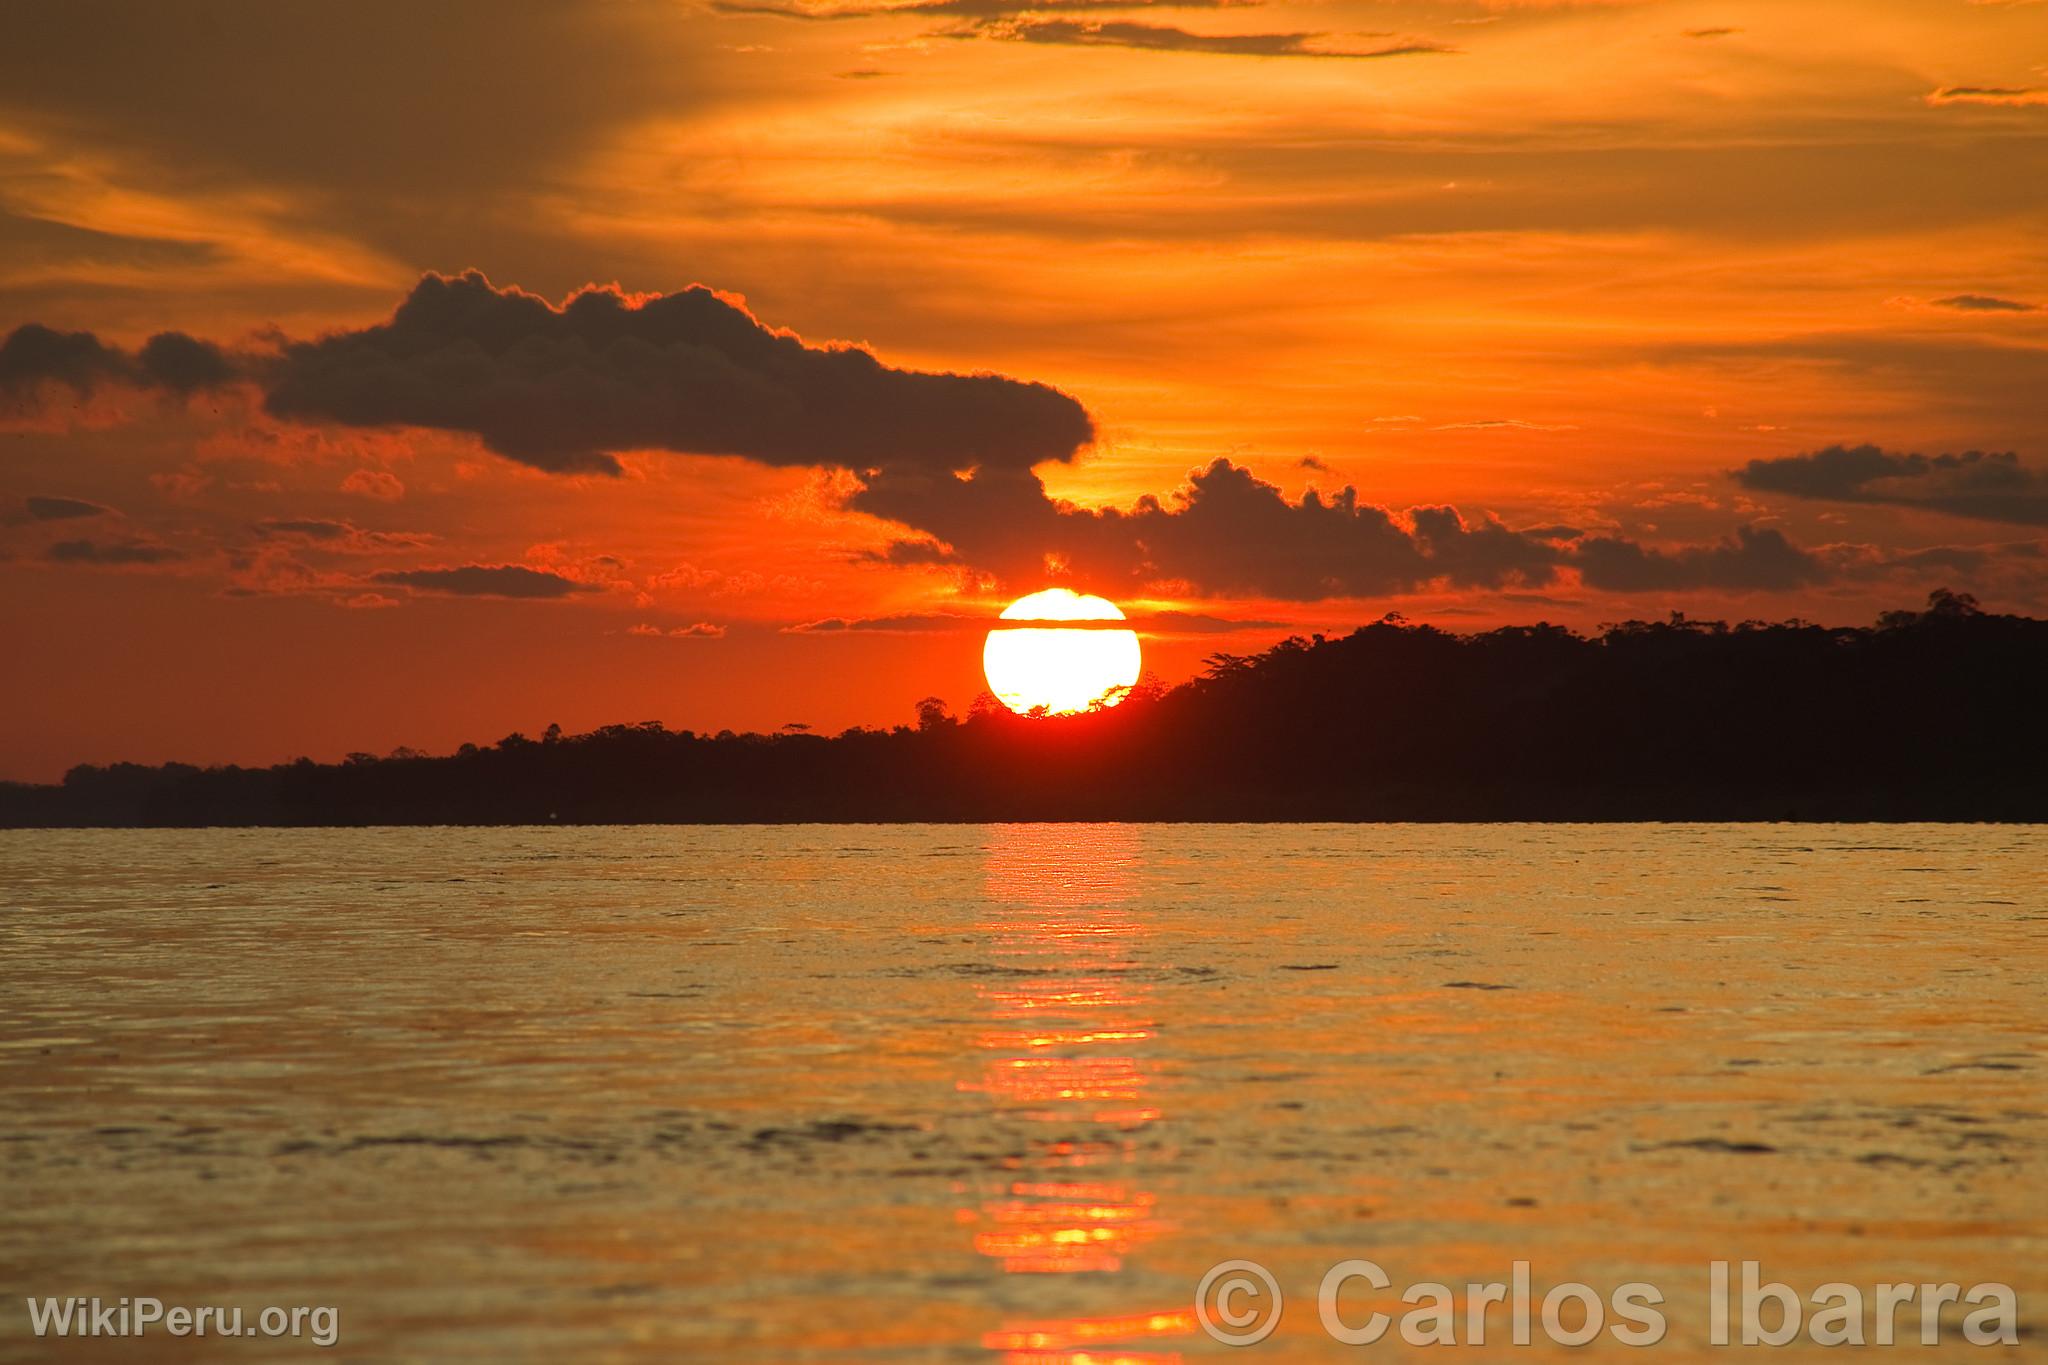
(373, 115)
(309, 528)
(971, 9)
(337, 535)
(1755, 559)
(1200, 623)
(564, 389)
(1987, 486)
(34, 358)
(1509, 422)
(117, 554)
(900, 623)
(1712, 32)
(1226, 532)
(1988, 94)
(1167, 38)
(63, 509)
(1984, 303)
(374, 483)
(1229, 533)
(485, 580)
(961, 623)
(1874, 561)
(700, 630)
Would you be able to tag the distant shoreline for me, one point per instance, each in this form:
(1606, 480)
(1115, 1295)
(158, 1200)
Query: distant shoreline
(1934, 716)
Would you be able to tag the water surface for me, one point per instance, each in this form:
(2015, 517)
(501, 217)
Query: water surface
(1001, 1093)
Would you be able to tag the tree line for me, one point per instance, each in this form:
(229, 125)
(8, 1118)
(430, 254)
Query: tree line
(1925, 715)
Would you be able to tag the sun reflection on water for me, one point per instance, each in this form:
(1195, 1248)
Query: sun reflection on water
(1068, 1019)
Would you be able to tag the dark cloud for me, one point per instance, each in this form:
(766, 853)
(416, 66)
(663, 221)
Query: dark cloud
(957, 623)
(120, 553)
(377, 103)
(1226, 532)
(1230, 533)
(562, 389)
(1712, 32)
(183, 364)
(1989, 486)
(1167, 38)
(966, 9)
(1756, 559)
(2007, 96)
(63, 509)
(485, 580)
(1983, 303)
(34, 357)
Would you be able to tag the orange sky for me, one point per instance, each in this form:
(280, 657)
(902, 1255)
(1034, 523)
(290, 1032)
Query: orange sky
(1567, 266)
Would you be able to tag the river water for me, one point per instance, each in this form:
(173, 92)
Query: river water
(1006, 1093)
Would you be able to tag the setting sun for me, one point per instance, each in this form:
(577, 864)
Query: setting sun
(1060, 668)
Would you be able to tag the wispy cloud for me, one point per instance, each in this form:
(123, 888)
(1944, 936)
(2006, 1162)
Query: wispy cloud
(963, 623)
(696, 630)
(966, 9)
(1167, 38)
(1984, 303)
(2007, 96)
(1510, 423)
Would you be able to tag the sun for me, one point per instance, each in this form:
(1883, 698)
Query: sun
(1033, 664)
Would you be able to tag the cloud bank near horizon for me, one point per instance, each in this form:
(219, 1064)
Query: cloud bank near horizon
(567, 388)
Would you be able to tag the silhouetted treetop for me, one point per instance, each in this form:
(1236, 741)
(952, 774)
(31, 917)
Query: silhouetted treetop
(1931, 714)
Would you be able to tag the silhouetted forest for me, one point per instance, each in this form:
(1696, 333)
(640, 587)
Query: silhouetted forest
(1934, 715)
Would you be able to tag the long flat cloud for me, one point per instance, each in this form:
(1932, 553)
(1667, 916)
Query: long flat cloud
(973, 9)
(118, 553)
(62, 509)
(1987, 486)
(1984, 303)
(485, 580)
(2011, 97)
(1168, 38)
(957, 623)
(566, 388)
